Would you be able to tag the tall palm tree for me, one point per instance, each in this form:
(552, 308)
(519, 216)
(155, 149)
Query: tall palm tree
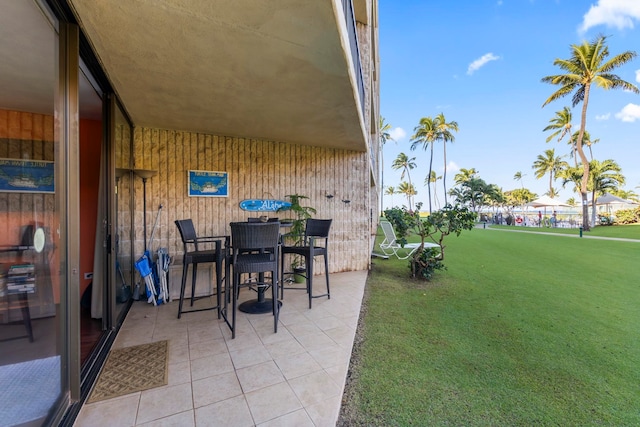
(408, 190)
(551, 164)
(518, 177)
(406, 164)
(444, 134)
(588, 65)
(425, 134)
(604, 176)
(385, 136)
(465, 175)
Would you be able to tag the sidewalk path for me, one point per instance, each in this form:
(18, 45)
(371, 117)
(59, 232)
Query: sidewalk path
(621, 239)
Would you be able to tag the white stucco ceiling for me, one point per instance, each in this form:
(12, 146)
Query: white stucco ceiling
(258, 69)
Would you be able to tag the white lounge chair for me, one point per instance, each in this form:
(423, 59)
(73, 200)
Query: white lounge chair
(390, 245)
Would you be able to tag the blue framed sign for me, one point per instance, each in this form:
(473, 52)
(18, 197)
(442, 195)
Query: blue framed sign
(26, 176)
(208, 184)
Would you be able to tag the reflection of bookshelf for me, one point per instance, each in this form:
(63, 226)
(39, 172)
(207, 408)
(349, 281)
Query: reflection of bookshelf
(26, 278)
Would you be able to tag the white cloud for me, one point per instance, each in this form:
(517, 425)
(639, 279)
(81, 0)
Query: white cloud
(602, 117)
(620, 14)
(452, 167)
(397, 134)
(630, 113)
(480, 62)
(638, 76)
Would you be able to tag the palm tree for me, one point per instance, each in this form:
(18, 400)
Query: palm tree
(444, 134)
(408, 190)
(465, 175)
(518, 177)
(560, 125)
(604, 176)
(586, 140)
(385, 137)
(406, 164)
(588, 65)
(625, 194)
(425, 134)
(551, 164)
(390, 191)
(433, 180)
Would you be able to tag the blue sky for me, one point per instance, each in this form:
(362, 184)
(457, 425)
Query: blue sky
(480, 62)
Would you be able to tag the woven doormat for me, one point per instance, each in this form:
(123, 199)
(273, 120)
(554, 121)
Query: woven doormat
(131, 369)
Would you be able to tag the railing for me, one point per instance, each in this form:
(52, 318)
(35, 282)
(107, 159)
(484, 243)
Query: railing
(347, 5)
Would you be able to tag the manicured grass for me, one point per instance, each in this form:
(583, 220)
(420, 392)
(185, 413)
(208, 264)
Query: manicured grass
(523, 329)
(631, 231)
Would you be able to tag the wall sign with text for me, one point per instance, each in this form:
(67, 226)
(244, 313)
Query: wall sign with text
(208, 184)
(26, 176)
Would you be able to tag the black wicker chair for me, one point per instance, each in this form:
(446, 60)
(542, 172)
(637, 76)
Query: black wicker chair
(196, 256)
(254, 249)
(315, 243)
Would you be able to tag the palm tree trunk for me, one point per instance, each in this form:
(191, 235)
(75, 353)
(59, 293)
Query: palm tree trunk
(585, 161)
(429, 177)
(444, 174)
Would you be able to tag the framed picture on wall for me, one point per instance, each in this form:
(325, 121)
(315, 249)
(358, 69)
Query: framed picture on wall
(26, 176)
(208, 184)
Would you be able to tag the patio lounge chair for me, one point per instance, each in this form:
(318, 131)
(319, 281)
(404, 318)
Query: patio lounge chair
(390, 245)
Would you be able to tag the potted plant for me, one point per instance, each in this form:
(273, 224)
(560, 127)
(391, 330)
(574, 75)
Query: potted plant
(295, 236)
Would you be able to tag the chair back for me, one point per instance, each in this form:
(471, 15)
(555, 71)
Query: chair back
(255, 236)
(257, 219)
(317, 228)
(187, 232)
(389, 233)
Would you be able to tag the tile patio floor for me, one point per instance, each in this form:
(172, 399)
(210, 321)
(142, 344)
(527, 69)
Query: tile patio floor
(293, 378)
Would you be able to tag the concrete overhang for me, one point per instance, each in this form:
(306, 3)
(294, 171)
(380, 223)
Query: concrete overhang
(276, 70)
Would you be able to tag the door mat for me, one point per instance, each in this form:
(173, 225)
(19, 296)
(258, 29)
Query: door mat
(131, 369)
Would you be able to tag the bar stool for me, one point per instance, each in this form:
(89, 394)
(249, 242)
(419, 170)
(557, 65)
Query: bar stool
(254, 249)
(200, 256)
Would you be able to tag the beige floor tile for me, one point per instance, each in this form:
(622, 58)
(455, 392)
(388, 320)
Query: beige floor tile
(331, 356)
(179, 373)
(296, 365)
(315, 387)
(249, 357)
(183, 419)
(259, 376)
(288, 347)
(317, 341)
(305, 327)
(343, 335)
(272, 402)
(215, 389)
(207, 348)
(298, 418)
(324, 413)
(162, 402)
(120, 411)
(232, 412)
(211, 365)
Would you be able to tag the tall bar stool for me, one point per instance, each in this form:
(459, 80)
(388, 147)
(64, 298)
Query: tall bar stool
(254, 249)
(315, 243)
(196, 256)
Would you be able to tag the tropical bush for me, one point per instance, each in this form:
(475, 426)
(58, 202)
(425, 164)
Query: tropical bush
(435, 227)
(628, 216)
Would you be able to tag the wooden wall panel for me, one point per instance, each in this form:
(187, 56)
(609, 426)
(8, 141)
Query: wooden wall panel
(257, 169)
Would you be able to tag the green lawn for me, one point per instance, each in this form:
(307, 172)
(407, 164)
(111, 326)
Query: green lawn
(631, 231)
(522, 329)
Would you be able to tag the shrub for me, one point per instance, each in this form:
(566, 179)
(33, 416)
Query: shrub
(628, 216)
